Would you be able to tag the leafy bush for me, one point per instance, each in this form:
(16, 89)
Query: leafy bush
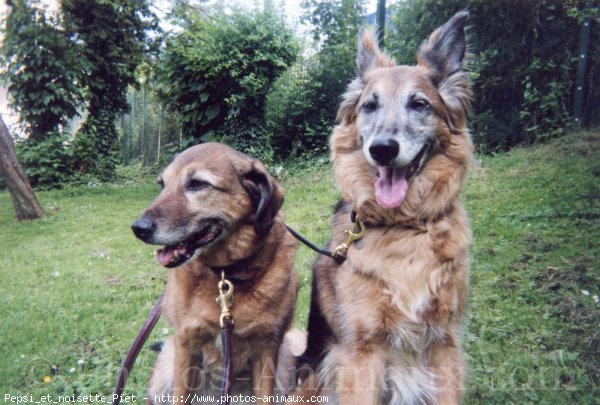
(113, 38)
(292, 114)
(544, 111)
(47, 163)
(95, 152)
(56, 63)
(217, 72)
(248, 136)
(491, 134)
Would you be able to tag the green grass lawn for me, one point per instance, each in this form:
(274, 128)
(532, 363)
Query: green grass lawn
(76, 285)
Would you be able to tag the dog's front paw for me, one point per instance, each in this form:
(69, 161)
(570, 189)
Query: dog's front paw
(371, 213)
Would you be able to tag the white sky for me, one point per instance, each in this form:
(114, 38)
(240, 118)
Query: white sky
(293, 8)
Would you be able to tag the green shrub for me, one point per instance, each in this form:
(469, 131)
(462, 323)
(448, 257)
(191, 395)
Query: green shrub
(218, 71)
(293, 115)
(47, 163)
(95, 147)
(544, 113)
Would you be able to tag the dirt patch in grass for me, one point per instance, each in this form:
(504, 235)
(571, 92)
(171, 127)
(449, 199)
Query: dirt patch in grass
(572, 295)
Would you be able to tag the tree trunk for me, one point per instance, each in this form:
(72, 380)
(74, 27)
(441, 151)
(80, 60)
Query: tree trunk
(131, 126)
(26, 205)
(143, 134)
(380, 22)
(160, 117)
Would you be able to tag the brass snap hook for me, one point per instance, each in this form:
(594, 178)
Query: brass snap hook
(225, 299)
(357, 233)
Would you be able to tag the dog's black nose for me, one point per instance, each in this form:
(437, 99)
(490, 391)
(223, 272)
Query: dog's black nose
(384, 150)
(143, 228)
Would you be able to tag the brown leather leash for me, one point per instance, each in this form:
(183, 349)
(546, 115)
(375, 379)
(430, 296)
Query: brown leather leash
(137, 345)
(227, 342)
(225, 301)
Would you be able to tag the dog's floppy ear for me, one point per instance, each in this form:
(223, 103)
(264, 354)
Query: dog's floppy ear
(266, 195)
(444, 53)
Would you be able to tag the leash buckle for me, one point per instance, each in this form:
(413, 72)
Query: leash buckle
(357, 233)
(225, 299)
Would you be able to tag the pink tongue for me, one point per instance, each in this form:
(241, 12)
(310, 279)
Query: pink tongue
(391, 187)
(166, 254)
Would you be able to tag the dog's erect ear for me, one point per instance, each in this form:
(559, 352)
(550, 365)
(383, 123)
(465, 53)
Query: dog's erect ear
(444, 53)
(369, 56)
(266, 195)
(446, 47)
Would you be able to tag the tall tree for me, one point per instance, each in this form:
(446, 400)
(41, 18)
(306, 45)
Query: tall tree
(381, 23)
(335, 22)
(25, 203)
(44, 74)
(338, 23)
(113, 37)
(322, 79)
(42, 68)
(302, 106)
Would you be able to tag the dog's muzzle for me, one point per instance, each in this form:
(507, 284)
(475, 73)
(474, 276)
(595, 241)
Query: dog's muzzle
(392, 181)
(173, 255)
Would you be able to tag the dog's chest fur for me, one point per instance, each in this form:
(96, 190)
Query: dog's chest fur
(395, 285)
(396, 293)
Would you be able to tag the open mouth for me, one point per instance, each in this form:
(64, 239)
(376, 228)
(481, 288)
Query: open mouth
(392, 181)
(177, 254)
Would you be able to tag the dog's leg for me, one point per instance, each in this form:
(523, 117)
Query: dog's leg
(160, 386)
(445, 361)
(264, 373)
(360, 374)
(186, 371)
(294, 343)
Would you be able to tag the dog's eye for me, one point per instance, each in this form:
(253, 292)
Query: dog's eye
(196, 185)
(370, 106)
(161, 183)
(418, 104)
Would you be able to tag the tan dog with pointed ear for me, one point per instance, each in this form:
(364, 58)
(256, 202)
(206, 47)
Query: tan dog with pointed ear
(219, 211)
(385, 326)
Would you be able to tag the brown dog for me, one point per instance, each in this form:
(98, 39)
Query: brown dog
(219, 211)
(385, 326)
